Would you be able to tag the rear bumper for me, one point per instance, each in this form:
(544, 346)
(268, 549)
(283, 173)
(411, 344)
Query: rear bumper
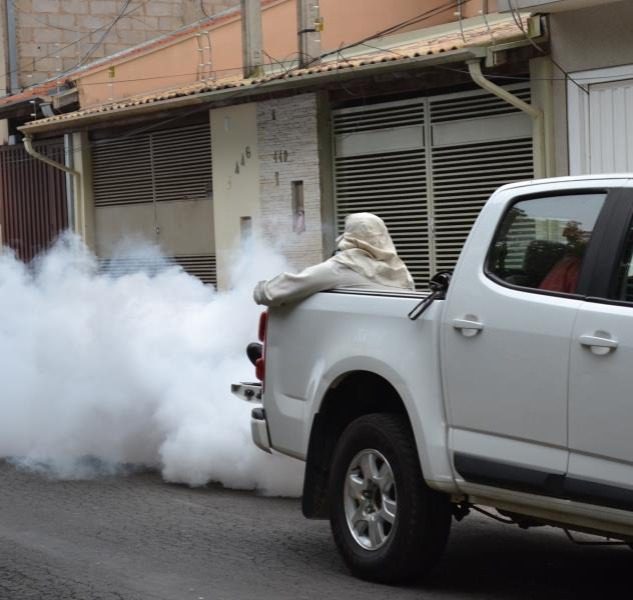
(259, 429)
(252, 393)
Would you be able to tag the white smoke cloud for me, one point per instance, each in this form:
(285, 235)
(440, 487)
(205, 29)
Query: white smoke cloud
(102, 374)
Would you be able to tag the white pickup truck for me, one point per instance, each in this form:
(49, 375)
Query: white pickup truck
(513, 390)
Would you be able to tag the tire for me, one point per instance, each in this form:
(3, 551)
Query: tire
(388, 532)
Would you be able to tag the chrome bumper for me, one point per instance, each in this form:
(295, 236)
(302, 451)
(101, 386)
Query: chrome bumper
(252, 392)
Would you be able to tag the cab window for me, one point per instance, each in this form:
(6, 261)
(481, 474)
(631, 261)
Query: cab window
(541, 242)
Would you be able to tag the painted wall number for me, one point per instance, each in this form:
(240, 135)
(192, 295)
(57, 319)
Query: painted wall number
(280, 156)
(242, 161)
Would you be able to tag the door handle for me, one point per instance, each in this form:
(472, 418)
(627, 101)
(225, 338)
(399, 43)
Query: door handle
(468, 327)
(600, 343)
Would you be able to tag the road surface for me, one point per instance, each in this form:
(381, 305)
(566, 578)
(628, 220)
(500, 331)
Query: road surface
(138, 538)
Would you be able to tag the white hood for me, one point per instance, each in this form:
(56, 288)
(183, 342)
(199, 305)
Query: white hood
(366, 248)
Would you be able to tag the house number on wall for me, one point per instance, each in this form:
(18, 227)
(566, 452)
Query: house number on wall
(246, 154)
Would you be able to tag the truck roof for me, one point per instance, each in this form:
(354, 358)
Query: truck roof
(626, 180)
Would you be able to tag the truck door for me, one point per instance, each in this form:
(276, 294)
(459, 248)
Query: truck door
(506, 335)
(601, 383)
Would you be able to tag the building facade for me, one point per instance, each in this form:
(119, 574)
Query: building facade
(44, 38)
(592, 82)
(419, 144)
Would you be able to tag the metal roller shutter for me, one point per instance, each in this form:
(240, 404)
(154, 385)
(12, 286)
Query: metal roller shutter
(381, 167)
(164, 165)
(427, 166)
(479, 143)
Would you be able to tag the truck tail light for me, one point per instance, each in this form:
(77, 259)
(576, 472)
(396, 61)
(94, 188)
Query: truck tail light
(260, 363)
(260, 368)
(263, 325)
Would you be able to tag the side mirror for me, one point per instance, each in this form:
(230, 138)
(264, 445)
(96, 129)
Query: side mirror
(440, 281)
(438, 284)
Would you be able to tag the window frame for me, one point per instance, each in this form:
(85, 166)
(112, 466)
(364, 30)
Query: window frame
(593, 258)
(608, 254)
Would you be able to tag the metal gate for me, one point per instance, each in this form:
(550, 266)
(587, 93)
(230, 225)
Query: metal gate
(33, 206)
(156, 186)
(427, 166)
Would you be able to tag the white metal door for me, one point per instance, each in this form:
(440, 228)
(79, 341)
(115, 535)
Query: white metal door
(611, 127)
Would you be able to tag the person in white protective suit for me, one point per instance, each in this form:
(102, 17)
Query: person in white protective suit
(366, 259)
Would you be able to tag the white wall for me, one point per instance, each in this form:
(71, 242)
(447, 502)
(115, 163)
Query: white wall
(289, 151)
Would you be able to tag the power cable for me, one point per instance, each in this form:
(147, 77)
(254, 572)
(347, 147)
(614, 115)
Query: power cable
(516, 16)
(105, 34)
(241, 91)
(32, 16)
(58, 50)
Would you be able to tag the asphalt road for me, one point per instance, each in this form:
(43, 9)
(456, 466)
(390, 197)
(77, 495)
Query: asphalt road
(137, 537)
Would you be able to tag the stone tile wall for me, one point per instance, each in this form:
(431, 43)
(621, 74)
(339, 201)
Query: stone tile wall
(56, 35)
(288, 151)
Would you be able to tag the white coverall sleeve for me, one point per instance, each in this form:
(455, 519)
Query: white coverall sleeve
(290, 287)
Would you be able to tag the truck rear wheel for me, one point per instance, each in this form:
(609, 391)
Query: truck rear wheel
(387, 523)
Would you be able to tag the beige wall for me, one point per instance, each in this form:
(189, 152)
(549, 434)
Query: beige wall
(177, 63)
(592, 38)
(54, 35)
(235, 179)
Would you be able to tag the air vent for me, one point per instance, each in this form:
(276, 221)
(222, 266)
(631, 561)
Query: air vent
(387, 162)
(166, 165)
(474, 105)
(464, 177)
(392, 186)
(379, 116)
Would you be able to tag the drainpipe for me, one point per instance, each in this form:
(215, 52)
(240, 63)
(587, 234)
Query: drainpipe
(76, 175)
(537, 115)
(69, 159)
(12, 47)
(252, 38)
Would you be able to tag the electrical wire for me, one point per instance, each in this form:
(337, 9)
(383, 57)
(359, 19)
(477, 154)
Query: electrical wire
(32, 16)
(58, 50)
(241, 91)
(104, 35)
(516, 16)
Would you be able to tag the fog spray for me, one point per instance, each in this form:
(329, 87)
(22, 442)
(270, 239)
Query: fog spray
(101, 374)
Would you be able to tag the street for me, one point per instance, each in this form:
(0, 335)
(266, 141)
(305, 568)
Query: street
(137, 537)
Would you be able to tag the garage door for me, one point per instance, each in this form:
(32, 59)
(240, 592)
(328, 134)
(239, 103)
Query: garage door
(427, 166)
(155, 187)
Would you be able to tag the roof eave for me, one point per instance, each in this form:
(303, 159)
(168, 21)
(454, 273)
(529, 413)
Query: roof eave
(254, 89)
